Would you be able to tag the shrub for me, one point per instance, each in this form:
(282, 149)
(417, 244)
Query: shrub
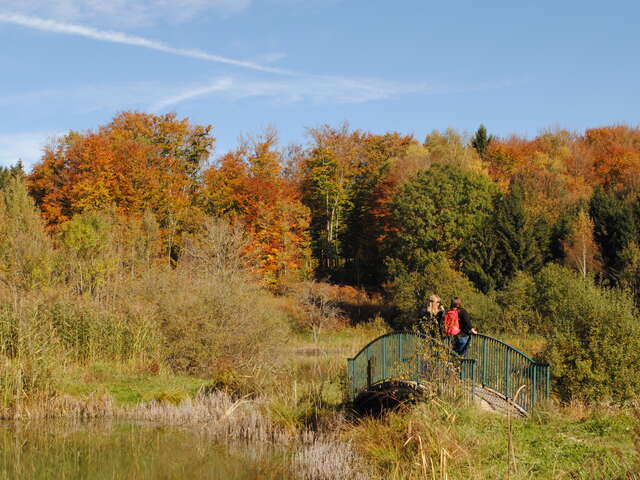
(209, 324)
(212, 314)
(593, 345)
(318, 306)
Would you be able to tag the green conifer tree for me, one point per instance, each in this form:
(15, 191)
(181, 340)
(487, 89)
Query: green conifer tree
(614, 229)
(522, 241)
(7, 173)
(481, 140)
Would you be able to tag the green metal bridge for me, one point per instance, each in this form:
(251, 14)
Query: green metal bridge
(422, 362)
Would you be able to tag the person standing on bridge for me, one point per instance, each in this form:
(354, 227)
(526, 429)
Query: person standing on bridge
(431, 317)
(457, 324)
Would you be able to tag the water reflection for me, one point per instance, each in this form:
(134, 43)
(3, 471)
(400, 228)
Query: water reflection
(103, 450)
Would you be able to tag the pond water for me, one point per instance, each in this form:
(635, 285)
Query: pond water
(112, 450)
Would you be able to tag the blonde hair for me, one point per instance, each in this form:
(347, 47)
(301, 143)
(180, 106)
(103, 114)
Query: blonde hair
(433, 306)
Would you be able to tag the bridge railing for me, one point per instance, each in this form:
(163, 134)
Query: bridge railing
(489, 362)
(408, 356)
(505, 369)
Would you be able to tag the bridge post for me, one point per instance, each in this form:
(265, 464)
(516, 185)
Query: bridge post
(368, 373)
(473, 379)
(384, 358)
(534, 384)
(484, 361)
(547, 381)
(507, 374)
(350, 377)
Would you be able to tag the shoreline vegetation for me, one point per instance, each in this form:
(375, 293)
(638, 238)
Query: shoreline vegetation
(323, 440)
(140, 284)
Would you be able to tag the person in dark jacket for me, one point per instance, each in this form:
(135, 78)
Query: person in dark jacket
(461, 341)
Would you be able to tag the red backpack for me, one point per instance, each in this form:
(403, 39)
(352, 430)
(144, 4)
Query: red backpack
(451, 323)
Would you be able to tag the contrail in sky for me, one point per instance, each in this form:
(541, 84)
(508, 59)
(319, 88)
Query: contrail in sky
(126, 39)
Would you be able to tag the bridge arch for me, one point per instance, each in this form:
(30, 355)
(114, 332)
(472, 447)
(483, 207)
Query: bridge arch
(419, 360)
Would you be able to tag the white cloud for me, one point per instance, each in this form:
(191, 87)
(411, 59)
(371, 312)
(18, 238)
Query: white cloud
(27, 147)
(126, 39)
(88, 98)
(224, 84)
(267, 58)
(315, 89)
(122, 12)
(158, 96)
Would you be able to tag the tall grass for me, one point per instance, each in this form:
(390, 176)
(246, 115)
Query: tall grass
(101, 296)
(437, 440)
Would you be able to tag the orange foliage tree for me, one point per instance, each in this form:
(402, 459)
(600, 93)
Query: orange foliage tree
(616, 155)
(138, 162)
(248, 185)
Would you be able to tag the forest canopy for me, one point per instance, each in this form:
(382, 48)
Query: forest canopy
(351, 204)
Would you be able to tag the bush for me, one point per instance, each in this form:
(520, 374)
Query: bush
(212, 314)
(205, 317)
(209, 324)
(594, 348)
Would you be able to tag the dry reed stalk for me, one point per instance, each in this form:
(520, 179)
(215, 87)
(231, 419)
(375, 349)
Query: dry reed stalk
(444, 455)
(636, 440)
(422, 457)
(511, 456)
(326, 459)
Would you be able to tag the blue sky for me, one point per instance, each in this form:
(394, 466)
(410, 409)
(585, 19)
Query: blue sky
(243, 65)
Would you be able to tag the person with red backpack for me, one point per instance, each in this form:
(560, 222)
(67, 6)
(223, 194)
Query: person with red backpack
(457, 325)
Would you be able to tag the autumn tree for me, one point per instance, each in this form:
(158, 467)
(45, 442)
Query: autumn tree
(616, 155)
(327, 173)
(365, 230)
(137, 162)
(248, 186)
(451, 148)
(581, 251)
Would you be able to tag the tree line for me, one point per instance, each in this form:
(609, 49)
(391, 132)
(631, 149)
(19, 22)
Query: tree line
(356, 207)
